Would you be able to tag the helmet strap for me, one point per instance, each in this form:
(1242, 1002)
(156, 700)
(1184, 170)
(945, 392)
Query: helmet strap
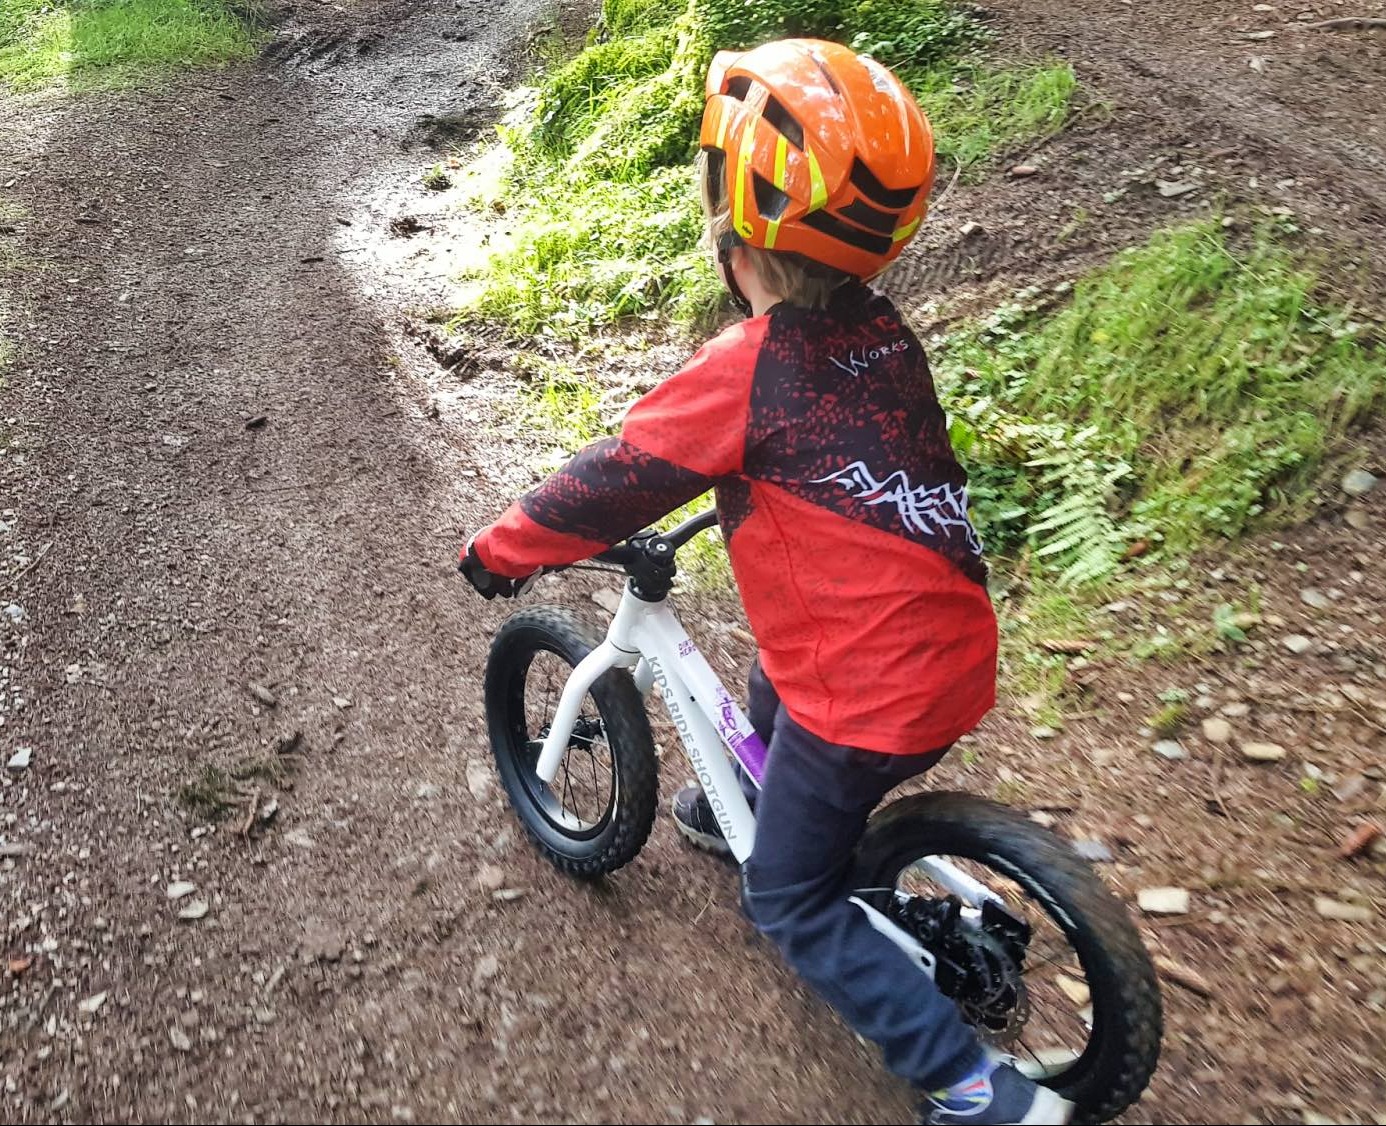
(725, 244)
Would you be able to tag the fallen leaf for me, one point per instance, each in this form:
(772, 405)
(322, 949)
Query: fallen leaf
(1068, 644)
(92, 1003)
(1359, 840)
(20, 963)
(1076, 991)
(1191, 980)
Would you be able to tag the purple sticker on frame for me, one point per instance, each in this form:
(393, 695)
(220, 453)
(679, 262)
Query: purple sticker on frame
(747, 746)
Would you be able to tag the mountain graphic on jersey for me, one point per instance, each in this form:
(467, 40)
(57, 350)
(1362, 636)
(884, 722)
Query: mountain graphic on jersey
(938, 512)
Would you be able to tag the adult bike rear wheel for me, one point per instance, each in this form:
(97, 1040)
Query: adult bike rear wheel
(598, 812)
(1052, 973)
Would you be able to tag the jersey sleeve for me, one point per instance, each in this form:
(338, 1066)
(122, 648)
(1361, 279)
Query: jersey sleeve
(675, 444)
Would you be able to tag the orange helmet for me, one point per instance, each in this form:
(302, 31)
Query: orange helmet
(819, 151)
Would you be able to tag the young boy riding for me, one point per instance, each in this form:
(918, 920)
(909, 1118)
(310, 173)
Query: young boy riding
(845, 515)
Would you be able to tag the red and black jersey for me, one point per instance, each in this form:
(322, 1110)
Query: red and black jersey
(843, 507)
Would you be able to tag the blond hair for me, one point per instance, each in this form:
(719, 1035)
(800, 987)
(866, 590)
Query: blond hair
(792, 277)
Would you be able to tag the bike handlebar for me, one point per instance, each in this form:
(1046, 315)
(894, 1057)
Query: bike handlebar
(659, 546)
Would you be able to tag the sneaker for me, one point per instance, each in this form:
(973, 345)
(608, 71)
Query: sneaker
(998, 1095)
(695, 820)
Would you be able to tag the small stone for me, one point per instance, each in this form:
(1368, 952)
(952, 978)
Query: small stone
(1341, 912)
(15, 612)
(1350, 787)
(1235, 709)
(1356, 518)
(608, 599)
(1358, 483)
(92, 1003)
(1258, 35)
(1263, 752)
(20, 759)
(1217, 730)
(263, 694)
(1023, 170)
(487, 967)
(427, 790)
(1093, 851)
(13, 850)
(299, 838)
(1043, 731)
(342, 701)
(970, 227)
(179, 1039)
(322, 943)
(507, 895)
(195, 909)
(478, 780)
(1297, 643)
(179, 888)
(1315, 598)
(1173, 188)
(490, 877)
(1163, 901)
(1170, 749)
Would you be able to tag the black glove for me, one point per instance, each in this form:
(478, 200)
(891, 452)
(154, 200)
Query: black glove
(487, 583)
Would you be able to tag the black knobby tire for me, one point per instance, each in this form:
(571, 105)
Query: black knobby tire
(614, 839)
(1124, 1047)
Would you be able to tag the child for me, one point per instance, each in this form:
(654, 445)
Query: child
(845, 515)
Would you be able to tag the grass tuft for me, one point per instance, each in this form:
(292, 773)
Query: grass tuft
(111, 43)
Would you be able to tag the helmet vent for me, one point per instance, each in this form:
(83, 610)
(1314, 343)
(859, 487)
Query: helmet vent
(770, 201)
(784, 122)
(894, 199)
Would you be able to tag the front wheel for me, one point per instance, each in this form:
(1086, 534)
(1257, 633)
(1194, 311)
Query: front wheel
(599, 810)
(1048, 967)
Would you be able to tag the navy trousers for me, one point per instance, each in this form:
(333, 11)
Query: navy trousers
(810, 813)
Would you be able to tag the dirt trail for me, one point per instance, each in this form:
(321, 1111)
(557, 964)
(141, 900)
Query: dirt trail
(202, 264)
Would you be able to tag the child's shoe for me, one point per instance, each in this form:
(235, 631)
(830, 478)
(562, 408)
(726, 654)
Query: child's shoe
(997, 1095)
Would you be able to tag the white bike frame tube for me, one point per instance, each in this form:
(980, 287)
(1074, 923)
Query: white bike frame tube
(648, 636)
(692, 702)
(972, 892)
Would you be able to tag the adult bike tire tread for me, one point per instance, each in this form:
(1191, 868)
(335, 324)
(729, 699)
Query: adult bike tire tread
(625, 724)
(1128, 1014)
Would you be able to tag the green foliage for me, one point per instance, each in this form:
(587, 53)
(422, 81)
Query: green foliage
(1169, 717)
(1186, 390)
(602, 182)
(436, 179)
(114, 42)
(976, 109)
(590, 261)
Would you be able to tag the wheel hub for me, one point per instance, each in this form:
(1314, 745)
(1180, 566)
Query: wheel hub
(979, 960)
